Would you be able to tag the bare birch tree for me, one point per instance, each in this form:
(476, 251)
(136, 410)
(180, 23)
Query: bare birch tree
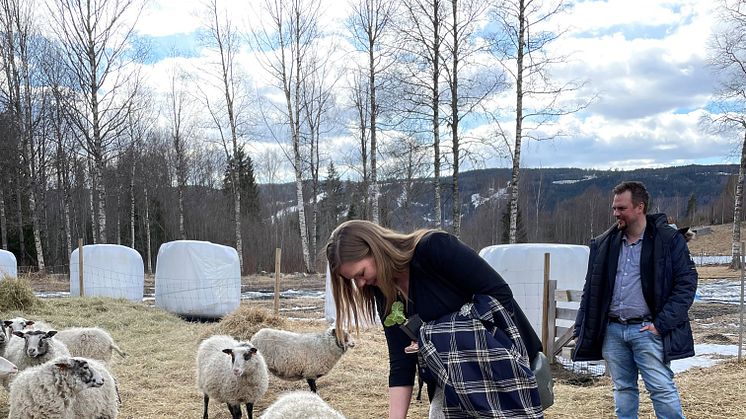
(284, 48)
(18, 28)
(522, 45)
(369, 24)
(96, 36)
(422, 32)
(222, 36)
(727, 58)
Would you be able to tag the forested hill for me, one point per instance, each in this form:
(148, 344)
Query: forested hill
(561, 205)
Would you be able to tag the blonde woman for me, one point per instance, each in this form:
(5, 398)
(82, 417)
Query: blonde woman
(440, 280)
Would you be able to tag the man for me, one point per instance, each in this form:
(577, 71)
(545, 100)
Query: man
(640, 284)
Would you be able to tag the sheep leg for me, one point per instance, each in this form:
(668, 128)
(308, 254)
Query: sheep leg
(207, 401)
(312, 384)
(235, 411)
(250, 410)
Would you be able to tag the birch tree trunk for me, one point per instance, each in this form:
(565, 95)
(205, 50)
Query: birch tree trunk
(3, 220)
(735, 262)
(515, 174)
(147, 234)
(21, 235)
(132, 204)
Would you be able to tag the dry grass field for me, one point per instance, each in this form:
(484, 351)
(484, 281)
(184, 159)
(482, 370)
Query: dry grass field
(157, 378)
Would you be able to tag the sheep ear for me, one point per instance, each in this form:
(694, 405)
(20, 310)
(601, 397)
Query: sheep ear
(19, 333)
(29, 322)
(252, 350)
(228, 351)
(51, 333)
(7, 322)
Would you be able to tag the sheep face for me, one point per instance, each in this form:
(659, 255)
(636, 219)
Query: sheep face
(3, 336)
(17, 324)
(348, 341)
(36, 342)
(82, 375)
(240, 356)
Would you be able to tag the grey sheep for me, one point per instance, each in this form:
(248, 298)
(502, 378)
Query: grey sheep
(34, 348)
(4, 338)
(48, 390)
(89, 342)
(19, 324)
(296, 356)
(98, 402)
(231, 372)
(300, 405)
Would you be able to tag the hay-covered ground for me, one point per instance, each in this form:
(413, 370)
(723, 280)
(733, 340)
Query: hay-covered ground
(157, 378)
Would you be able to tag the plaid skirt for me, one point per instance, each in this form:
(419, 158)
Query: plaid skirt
(477, 358)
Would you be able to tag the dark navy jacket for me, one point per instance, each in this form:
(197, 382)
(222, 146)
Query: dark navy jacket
(669, 281)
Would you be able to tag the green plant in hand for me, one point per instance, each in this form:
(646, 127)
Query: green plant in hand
(396, 316)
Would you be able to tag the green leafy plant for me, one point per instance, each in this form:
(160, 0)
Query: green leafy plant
(396, 316)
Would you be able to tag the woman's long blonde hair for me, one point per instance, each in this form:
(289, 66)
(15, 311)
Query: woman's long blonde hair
(354, 240)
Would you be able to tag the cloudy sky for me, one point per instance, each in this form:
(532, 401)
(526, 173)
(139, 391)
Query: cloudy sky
(644, 61)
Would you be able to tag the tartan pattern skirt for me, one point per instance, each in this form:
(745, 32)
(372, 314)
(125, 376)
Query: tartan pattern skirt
(478, 359)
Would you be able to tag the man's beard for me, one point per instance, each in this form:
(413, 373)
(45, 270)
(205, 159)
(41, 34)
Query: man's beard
(621, 225)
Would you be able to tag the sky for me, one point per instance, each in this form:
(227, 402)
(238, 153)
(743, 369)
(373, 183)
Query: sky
(643, 63)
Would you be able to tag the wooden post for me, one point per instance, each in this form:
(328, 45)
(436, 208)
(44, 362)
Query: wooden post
(740, 323)
(545, 315)
(278, 258)
(80, 267)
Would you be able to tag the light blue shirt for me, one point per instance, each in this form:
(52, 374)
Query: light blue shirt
(628, 301)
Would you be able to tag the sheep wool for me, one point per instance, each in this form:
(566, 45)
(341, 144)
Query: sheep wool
(89, 342)
(48, 390)
(34, 347)
(231, 372)
(4, 338)
(98, 402)
(7, 368)
(296, 356)
(300, 405)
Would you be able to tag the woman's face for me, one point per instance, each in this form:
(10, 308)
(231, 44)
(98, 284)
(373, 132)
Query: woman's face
(363, 272)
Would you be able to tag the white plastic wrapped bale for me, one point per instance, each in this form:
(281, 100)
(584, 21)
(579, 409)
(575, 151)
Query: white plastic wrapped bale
(109, 270)
(522, 267)
(8, 264)
(197, 279)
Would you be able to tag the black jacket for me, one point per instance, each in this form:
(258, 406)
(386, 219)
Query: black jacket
(669, 281)
(444, 274)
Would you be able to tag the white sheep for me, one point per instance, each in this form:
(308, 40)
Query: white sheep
(19, 324)
(4, 338)
(231, 372)
(296, 356)
(34, 348)
(89, 342)
(98, 402)
(7, 368)
(49, 390)
(300, 405)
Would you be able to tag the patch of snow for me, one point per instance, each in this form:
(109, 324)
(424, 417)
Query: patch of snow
(571, 181)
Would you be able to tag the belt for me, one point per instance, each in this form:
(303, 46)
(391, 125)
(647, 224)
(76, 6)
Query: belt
(632, 320)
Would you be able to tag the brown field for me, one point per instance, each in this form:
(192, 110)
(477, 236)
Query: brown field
(157, 378)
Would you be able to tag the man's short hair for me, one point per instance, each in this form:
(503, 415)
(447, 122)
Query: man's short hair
(638, 191)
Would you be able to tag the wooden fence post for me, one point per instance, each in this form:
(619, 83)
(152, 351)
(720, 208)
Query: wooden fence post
(546, 308)
(80, 267)
(278, 258)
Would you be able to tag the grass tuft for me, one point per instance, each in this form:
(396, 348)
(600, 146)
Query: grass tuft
(16, 294)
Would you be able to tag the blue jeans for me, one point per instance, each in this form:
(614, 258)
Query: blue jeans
(627, 351)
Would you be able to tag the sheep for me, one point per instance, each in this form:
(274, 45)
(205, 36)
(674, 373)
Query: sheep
(300, 405)
(49, 390)
(89, 342)
(296, 356)
(19, 324)
(4, 338)
(36, 347)
(7, 368)
(231, 372)
(98, 402)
